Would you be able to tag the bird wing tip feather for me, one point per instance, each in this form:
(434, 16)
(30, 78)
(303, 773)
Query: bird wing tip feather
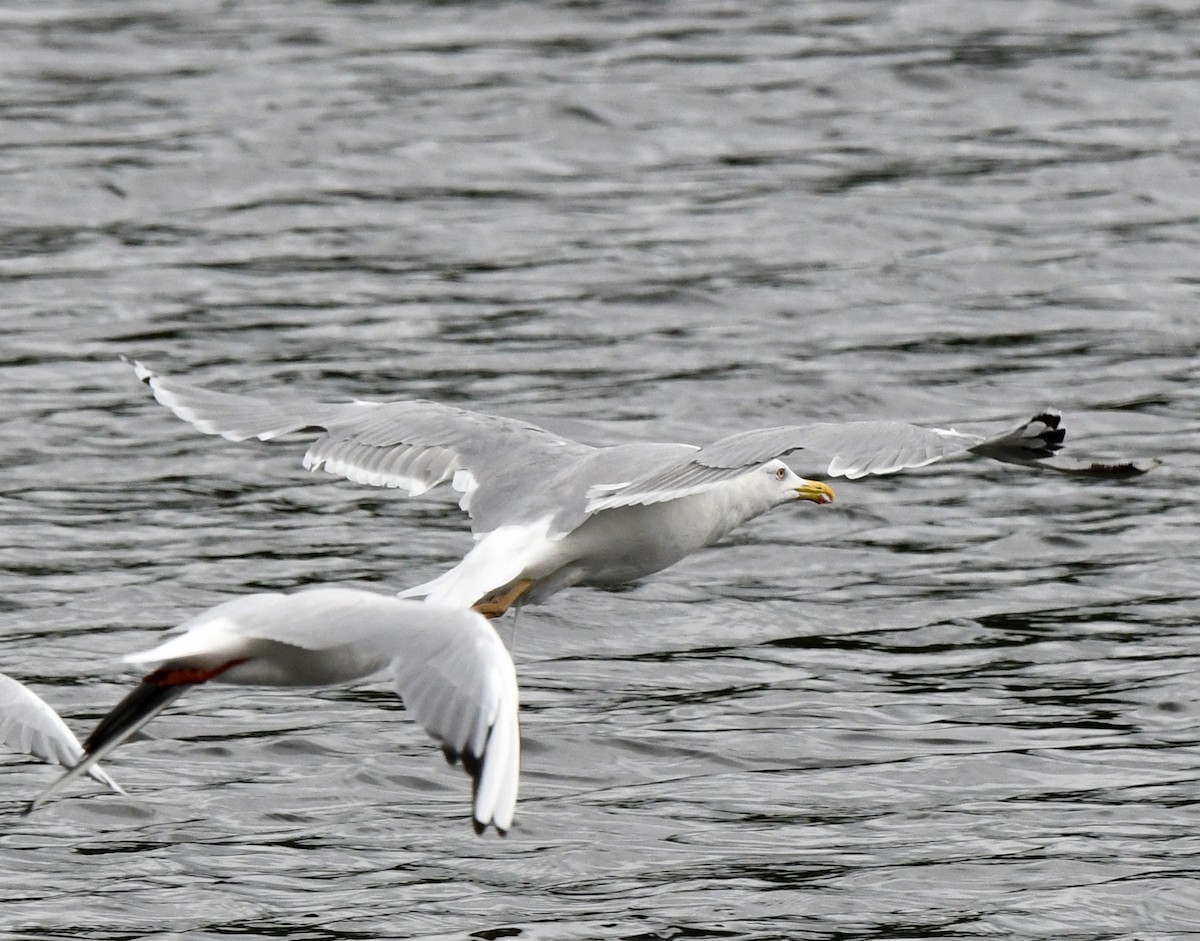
(141, 370)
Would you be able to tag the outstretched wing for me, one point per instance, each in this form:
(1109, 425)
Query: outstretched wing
(462, 687)
(29, 725)
(854, 450)
(412, 445)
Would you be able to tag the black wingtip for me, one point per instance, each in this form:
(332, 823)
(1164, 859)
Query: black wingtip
(1029, 444)
(472, 764)
(1049, 438)
(1042, 445)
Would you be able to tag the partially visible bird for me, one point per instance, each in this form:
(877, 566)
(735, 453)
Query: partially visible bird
(29, 725)
(449, 666)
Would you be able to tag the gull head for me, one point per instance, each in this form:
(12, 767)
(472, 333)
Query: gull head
(794, 487)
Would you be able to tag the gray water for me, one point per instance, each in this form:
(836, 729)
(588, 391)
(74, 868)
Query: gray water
(961, 702)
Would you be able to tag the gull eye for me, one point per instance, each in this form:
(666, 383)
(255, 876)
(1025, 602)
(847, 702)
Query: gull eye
(781, 473)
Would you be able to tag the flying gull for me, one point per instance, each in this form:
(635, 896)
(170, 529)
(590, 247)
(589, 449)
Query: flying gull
(448, 664)
(548, 512)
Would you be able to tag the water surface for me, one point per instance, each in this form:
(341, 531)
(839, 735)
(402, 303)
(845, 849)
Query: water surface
(959, 703)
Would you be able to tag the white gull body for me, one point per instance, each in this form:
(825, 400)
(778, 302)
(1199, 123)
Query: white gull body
(548, 512)
(452, 670)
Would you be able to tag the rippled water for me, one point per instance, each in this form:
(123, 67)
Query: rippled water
(959, 703)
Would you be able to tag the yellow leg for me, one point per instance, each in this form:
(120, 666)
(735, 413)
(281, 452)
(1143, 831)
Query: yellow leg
(495, 605)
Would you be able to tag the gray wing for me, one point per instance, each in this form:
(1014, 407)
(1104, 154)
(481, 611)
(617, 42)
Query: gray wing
(854, 450)
(567, 497)
(412, 445)
(29, 725)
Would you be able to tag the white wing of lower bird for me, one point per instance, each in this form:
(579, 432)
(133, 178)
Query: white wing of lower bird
(29, 725)
(448, 664)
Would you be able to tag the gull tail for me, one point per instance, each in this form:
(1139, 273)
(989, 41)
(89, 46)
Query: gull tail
(146, 701)
(497, 561)
(455, 588)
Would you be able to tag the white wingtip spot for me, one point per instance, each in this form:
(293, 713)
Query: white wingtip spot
(466, 484)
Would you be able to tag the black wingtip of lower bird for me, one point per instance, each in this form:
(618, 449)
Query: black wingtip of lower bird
(473, 765)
